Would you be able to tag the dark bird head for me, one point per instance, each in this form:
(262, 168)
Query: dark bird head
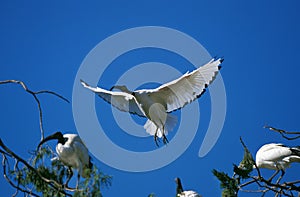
(179, 188)
(56, 136)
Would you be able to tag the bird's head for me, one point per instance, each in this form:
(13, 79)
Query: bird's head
(58, 136)
(122, 88)
(179, 188)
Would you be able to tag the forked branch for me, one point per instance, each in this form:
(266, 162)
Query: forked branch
(34, 94)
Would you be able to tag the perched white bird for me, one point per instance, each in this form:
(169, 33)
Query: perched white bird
(277, 156)
(181, 193)
(72, 152)
(156, 104)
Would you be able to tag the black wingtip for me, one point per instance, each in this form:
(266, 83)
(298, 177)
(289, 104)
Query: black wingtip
(216, 57)
(219, 67)
(220, 59)
(204, 90)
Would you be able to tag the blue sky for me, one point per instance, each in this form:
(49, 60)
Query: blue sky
(44, 44)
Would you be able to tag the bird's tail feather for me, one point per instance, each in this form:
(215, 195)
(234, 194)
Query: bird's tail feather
(170, 122)
(296, 150)
(295, 157)
(152, 128)
(87, 169)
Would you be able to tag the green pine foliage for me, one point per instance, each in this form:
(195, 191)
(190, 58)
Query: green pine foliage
(49, 178)
(228, 184)
(246, 165)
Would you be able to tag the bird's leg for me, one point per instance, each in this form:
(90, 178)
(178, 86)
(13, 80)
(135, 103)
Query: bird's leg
(156, 139)
(271, 178)
(279, 179)
(70, 171)
(77, 184)
(165, 139)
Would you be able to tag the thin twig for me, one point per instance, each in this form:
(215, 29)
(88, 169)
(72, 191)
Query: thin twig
(4, 162)
(247, 183)
(6, 152)
(52, 183)
(34, 94)
(254, 191)
(242, 142)
(284, 133)
(286, 188)
(271, 186)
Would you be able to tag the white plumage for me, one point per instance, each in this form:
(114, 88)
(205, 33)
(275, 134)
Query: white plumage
(71, 152)
(276, 156)
(156, 104)
(189, 194)
(181, 193)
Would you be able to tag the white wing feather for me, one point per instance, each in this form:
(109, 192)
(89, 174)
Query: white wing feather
(121, 100)
(273, 152)
(177, 93)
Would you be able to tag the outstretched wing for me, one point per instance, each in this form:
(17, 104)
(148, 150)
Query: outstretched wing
(190, 86)
(121, 100)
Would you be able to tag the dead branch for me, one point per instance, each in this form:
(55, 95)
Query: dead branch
(34, 94)
(265, 185)
(7, 152)
(284, 133)
(17, 187)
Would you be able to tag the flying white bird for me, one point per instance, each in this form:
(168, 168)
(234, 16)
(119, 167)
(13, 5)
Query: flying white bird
(181, 193)
(276, 156)
(71, 152)
(156, 104)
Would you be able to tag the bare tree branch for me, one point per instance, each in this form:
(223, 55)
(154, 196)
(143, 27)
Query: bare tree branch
(35, 175)
(34, 94)
(6, 152)
(57, 186)
(284, 133)
(4, 162)
(266, 185)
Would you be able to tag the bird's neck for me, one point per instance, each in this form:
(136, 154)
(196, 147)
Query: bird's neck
(179, 188)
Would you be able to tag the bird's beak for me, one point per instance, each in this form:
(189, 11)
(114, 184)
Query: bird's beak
(50, 137)
(113, 87)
